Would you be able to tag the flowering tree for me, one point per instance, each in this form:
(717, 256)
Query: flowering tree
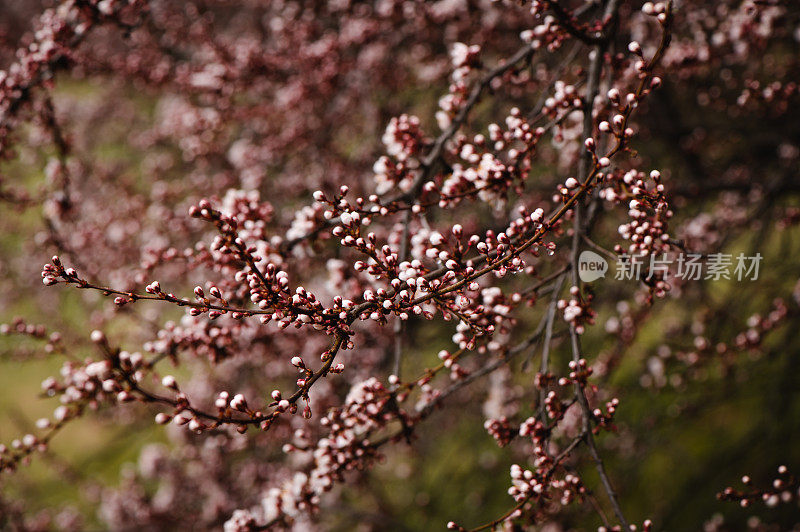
(314, 238)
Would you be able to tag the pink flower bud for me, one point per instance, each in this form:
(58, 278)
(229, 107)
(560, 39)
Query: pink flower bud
(124, 397)
(239, 403)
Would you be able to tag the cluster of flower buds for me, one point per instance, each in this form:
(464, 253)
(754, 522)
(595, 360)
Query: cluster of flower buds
(346, 447)
(547, 34)
(553, 406)
(268, 284)
(525, 484)
(578, 310)
(656, 9)
(464, 59)
(784, 489)
(82, 387)
(501, 430)
(92, 382)
(539, 433)
(484, 174)
(571, 488)
(647, 526)
(775, 95)
(579, 372)
(605, 419)
(228, 409)
(564, 100)
(758, 326)
(462, 55)
(648, 210)
(528, 486)
(404, 141)
(19, 326)
(54, 272)
(57, 31)
(692, 363)
(19, 451)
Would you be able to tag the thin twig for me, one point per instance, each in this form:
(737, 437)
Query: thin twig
(399, 324)
(548, 337)
(595, 72)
